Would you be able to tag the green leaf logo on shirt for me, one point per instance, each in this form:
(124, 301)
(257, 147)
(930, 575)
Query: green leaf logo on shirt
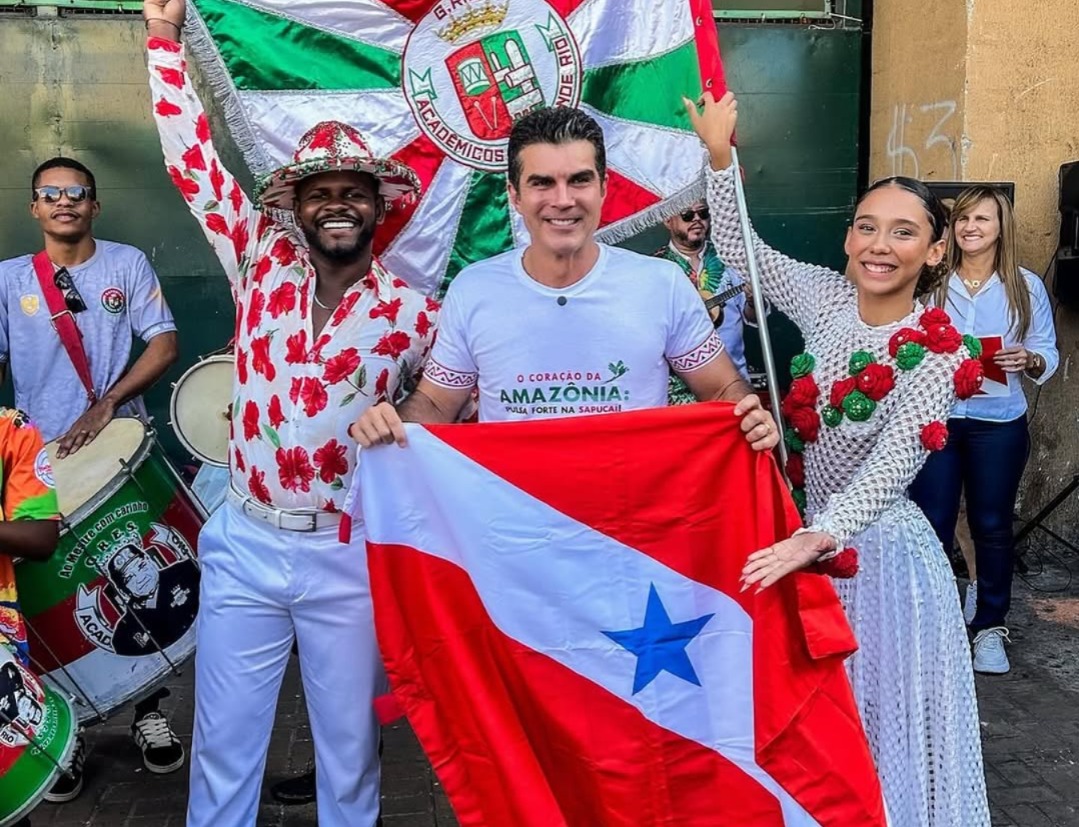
(618, 370)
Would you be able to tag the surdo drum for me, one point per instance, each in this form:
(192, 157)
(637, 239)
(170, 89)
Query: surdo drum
(200, 408)
(37, 737)
(112, 613)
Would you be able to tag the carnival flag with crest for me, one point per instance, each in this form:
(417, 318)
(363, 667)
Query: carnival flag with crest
(559, 610)
(438, 85)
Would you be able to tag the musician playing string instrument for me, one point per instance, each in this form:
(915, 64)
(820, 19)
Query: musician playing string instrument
(725, 294)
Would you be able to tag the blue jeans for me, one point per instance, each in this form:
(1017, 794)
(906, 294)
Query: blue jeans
(986, 459)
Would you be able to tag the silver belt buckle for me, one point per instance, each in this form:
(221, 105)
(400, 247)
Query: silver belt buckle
(313, 525)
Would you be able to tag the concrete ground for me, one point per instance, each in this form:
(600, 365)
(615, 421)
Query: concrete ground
(1030, 726)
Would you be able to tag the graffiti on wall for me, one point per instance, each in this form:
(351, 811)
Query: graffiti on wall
(923, 141)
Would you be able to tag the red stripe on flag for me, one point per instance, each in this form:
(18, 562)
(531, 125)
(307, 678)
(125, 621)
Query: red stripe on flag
(712, 78)
(702, 516)
(517, 738)
(624, 198)
(565, 7)
(414, 10)
(425, 159)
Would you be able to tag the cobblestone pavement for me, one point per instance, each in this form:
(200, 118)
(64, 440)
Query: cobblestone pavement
(1030, 725)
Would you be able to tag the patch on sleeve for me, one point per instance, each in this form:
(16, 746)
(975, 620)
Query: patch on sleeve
(43, 469)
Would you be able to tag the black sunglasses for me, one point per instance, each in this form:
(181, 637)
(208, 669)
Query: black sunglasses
(702, 213)
(62, 279)
(76, 193)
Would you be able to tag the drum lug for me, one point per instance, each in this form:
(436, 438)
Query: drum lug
(131, 476)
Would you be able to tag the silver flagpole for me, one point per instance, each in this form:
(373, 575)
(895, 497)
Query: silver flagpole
(758, 306)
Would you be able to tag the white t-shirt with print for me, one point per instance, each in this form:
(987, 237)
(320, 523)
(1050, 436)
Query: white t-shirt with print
(601, 345)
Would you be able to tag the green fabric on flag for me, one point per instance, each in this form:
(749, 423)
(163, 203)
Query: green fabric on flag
(648, 91)
(264, 51)
(485, 215)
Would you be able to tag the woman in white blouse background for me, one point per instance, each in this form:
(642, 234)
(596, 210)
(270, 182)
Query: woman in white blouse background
(990, 297)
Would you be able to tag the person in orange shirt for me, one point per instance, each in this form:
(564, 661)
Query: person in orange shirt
(29, 515)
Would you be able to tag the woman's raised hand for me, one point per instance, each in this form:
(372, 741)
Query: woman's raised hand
(714, 123)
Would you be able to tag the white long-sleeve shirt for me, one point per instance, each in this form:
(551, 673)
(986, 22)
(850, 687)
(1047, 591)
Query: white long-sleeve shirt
(986, 314)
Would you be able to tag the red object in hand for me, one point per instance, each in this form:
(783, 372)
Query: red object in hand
(843, 566)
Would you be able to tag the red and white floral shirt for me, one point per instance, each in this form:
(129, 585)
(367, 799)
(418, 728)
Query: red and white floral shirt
(293, 395)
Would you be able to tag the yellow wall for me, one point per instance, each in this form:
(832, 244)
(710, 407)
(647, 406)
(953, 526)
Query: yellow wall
(978, 90)
(919, 60)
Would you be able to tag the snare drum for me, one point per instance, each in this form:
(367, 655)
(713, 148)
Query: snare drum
(37, 737)
(201, 406)
(112, 613)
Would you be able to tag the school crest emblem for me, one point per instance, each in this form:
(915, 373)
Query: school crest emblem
(473, 67)
(113, 300)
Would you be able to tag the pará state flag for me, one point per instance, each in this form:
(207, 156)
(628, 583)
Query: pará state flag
(559, 611)
(437, 84)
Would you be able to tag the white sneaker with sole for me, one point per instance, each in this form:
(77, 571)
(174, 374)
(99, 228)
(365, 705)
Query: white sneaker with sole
(989, 655)
(970, 602)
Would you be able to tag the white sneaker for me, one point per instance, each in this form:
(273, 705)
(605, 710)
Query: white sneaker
(970, 602)
(989, 655)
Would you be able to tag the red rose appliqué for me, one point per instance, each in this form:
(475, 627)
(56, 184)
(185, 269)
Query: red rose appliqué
(968, 378)
(876, 381)
(934, 436)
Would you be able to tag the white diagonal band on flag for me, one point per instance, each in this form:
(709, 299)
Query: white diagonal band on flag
(556, 585)
(281, 118)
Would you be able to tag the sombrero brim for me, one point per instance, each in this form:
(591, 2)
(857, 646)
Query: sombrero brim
(278, 189)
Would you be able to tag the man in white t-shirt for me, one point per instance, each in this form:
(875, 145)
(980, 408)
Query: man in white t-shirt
(566, 326)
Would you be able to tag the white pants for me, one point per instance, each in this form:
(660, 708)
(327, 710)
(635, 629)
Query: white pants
(261, 585)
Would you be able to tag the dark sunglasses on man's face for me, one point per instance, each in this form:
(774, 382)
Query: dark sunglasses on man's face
(76, 194)
(62, 279)
(702, 213)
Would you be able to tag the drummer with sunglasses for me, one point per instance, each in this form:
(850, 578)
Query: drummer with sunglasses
(690, 247)
(112, 294)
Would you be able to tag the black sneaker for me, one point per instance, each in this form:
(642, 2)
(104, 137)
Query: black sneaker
(297, 790)
(67, 788)
(162, 751)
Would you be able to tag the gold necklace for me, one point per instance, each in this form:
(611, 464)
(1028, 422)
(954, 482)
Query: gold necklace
(975, 283)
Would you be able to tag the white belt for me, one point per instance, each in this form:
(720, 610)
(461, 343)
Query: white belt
(283, 518)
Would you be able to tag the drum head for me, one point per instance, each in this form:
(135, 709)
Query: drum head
(200, 409)
(82, 475)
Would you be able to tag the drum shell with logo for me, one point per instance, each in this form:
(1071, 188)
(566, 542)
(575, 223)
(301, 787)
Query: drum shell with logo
(91, 627)
(26, 774)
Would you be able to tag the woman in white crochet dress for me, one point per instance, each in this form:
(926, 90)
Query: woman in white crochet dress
(870, 398)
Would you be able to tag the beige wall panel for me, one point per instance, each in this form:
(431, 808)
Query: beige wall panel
(989, 90)
(916, 122)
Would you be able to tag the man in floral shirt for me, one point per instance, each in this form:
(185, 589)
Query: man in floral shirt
(322, 332)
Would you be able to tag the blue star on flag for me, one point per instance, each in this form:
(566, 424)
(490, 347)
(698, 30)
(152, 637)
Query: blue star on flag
(660, 645)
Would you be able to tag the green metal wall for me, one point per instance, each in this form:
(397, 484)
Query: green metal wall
(799, 99)
(77, 86)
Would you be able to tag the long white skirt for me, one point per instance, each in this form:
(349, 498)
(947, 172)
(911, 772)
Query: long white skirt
(912, 674)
